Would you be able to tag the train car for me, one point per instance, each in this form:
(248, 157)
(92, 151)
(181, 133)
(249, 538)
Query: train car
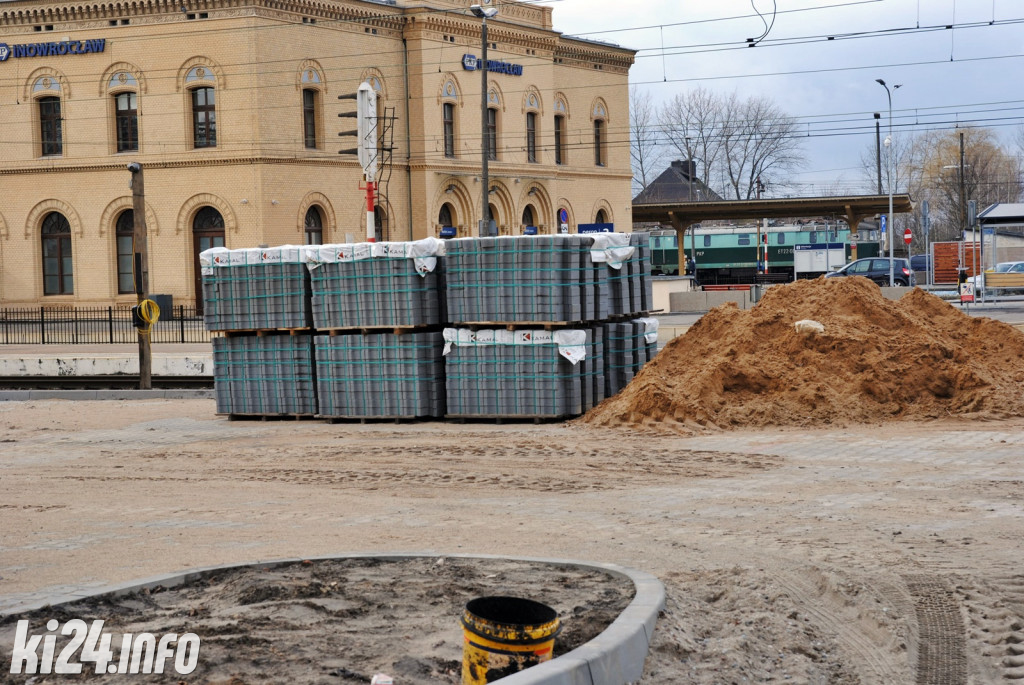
(728, 255)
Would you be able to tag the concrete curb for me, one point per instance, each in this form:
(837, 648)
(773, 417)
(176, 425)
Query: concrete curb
(614, 657)
(26, 395)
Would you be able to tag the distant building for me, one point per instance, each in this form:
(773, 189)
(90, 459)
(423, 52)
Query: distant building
(231, 108)
(678, 183)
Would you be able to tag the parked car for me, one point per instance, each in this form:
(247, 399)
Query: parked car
(1000, 268)
(877, 269)
(920, 262)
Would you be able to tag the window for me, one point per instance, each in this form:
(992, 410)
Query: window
(314, 227)
(444, 217)
(126, 122)
(744, 240)
(204, 118)
(492, 133)
(50, 132)
(813, 237)
(599, 142)
(707, 241)
(601, 218)
(124, 234)
(207, 232)
(559, 140)
(309, 117)
(449, 129)
(58, 278)
(531, 136)
(528, 218)
(781, 239)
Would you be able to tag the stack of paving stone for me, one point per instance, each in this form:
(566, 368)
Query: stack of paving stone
(255, 289)
(378, 375)
(628, 345)
(264, 375)
(572, 284)
(497, 373)
(366, 285)
(384, 304)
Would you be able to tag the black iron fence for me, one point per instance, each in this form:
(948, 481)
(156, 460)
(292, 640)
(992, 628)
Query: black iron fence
(96, 325)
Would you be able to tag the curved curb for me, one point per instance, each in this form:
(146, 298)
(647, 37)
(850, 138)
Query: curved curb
(614, 657)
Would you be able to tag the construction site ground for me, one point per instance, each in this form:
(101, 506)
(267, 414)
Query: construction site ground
(868, 553)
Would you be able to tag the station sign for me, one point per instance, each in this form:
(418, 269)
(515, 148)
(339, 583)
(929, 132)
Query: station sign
(53, 49)
(595, 228)
(494, 66)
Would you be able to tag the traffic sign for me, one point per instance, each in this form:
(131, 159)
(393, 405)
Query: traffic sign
(907, 236)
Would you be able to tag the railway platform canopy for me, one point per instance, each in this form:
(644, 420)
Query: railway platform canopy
(852, 208)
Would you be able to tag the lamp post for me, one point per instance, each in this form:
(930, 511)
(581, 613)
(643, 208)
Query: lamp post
(888, 144)
(484, 13)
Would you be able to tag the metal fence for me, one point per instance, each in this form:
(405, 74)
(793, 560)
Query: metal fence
(95, 325)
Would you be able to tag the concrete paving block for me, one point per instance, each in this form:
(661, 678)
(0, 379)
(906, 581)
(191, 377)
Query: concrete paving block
(718, 298)
(688, 302)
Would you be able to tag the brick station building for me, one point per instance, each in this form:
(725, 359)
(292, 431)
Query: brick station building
(231, 106)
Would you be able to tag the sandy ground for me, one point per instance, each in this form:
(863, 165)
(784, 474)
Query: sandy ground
(887, 553)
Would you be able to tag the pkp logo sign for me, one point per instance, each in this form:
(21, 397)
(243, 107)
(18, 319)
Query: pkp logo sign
(5, 52)
(469, 62)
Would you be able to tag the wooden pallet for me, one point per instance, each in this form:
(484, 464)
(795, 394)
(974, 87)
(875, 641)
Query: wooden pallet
(374, 419)
(260, 332)
(503, 418)
(233, 416)
(368, 330)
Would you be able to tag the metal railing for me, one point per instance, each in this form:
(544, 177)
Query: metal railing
(95, 325)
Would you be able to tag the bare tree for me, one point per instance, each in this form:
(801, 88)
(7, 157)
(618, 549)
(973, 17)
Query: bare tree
(689, 123)
(736, 140)
(644, 144)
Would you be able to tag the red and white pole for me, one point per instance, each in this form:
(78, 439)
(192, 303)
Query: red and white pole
(371, 233)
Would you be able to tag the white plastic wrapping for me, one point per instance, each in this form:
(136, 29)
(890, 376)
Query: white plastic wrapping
(571, 343)
(651, 328)
(612, 248)
(424, 253)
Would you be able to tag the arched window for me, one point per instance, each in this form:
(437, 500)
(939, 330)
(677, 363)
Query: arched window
(124, 235)
(528, 216)
(561, 138)
(207, 232)
(314, 226)
(50, 129)
(58, 277)
(601, 217)
(531, 137)
(126, 121)
(449, 129)
(204, 118)
(380, 222)
(444, 217)
(309, 110)
(492, 133)
(599, 142)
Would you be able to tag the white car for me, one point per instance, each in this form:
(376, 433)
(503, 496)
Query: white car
(1001, 268)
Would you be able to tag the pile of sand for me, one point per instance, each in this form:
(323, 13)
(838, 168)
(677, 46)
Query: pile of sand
(876, 360)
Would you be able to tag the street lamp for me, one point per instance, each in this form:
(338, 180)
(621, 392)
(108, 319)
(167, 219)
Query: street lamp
(484, 13)
(888, 144)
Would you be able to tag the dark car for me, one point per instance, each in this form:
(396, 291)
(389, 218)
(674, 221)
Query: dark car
(920, 262)
(877, 269)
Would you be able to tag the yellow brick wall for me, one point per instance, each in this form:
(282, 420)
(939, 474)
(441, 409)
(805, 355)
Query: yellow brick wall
(260, 175)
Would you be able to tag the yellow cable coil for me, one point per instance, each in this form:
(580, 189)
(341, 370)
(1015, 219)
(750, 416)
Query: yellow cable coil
(149, 312)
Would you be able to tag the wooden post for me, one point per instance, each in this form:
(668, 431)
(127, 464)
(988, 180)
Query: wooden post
(141, 247)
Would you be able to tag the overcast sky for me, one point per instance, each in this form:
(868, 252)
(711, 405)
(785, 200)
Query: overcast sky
(828, 85)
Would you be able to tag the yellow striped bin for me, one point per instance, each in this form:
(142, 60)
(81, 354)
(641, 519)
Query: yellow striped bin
(504, 635)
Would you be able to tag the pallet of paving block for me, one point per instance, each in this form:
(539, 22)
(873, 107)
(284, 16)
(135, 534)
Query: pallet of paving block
(374, 419)
(622, 318)
(510, 418)
(243, 416)
(260, 332)
(370, 330)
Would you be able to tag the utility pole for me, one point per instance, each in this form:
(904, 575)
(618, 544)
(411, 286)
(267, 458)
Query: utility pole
(141, 250)
(963, 192)
(878, 149)
(485, 222)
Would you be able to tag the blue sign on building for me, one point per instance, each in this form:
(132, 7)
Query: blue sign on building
(530, 230)
(596, 228)
(494, 66)
(63, 47)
